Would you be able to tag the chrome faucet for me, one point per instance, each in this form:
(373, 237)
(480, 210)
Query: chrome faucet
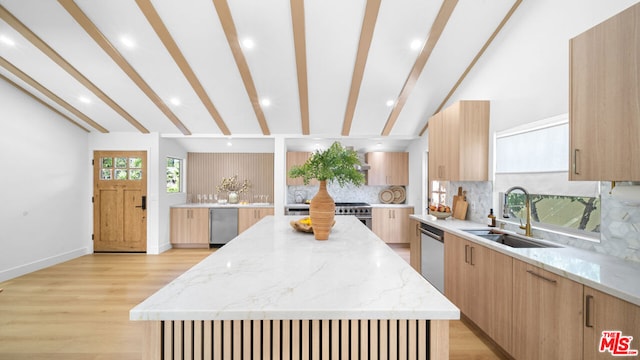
(505, 209)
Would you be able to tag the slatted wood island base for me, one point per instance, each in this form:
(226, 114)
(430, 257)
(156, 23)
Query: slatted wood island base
(296, 339)
(273, 293)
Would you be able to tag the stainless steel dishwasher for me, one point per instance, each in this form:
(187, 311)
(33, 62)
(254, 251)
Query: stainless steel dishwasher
(223, 225)
(432, 244)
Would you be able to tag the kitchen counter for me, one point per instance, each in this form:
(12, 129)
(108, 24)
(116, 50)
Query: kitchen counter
(605, 273)
(216, 205)
(272, 273)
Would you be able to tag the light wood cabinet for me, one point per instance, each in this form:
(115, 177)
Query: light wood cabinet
(392, 224)
(297, 158)
(189, 227)
(478, 280)
(547, 314)
(251, 215)
(387, 168)
(604, 312)
(604, 116)
(459, 142)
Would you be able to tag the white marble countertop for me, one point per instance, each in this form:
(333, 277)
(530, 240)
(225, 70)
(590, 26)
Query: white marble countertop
(216, 205)
(605, 273)
(273, 272)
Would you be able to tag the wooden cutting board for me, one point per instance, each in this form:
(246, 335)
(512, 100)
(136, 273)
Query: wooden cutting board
(455, 199)
(460, 211)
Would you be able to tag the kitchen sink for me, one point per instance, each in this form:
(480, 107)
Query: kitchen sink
(512, 240)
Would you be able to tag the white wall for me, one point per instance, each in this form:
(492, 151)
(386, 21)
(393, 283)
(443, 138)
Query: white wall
(45, 217)
(172, 148)
(417, 174)
(525, 71)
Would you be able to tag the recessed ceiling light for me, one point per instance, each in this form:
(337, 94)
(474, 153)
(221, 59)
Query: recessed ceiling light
(175, 101)
(84, 99)
(265, 102)
(7, 41)
(390, 103)
(128, 42)
(416, 44)
(248, 43)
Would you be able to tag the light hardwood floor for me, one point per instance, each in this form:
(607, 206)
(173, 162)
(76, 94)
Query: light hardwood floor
(80, 309)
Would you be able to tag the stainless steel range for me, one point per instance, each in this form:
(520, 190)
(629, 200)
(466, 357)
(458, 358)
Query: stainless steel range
(360, 210)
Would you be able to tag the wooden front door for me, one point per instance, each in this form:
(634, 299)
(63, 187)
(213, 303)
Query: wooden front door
(119, 201)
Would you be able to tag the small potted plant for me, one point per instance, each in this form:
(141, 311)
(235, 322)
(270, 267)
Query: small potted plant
(333, 164)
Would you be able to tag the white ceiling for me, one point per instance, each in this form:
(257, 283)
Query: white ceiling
(332, 34)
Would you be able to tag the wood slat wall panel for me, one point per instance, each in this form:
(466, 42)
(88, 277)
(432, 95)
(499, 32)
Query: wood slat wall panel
(295, 339)
(206, 170)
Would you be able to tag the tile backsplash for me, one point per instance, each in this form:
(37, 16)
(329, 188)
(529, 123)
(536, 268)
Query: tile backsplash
(619, 228)
(348, 193)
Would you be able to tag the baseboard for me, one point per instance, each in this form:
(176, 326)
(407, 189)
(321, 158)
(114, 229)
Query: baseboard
(41, 264)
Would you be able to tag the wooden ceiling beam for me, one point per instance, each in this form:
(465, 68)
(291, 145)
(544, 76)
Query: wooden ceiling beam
(36, 85)
(169, 43)
(224, 14)
(64, 64)
(434, 35)
(474, 61)
(97, 36)
(366, 35)
(300, 45)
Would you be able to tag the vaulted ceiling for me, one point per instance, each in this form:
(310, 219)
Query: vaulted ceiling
(246, 67)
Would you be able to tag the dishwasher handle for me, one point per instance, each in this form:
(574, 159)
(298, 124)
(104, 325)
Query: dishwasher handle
(431, 234)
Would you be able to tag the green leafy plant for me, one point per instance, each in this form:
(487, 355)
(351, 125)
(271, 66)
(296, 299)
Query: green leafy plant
(333, 164)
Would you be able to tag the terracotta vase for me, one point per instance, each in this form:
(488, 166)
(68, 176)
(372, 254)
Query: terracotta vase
(322, 210)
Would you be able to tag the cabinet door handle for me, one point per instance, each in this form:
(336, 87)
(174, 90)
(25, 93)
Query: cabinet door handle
(471, 256)
(541, 277)
(575, 161)
(588, 319)
(466, 254)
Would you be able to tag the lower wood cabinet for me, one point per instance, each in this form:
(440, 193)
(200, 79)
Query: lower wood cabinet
(478, 280)
(603, 312)
(392, 224)
(547, 314)
(249, 216)
(189, 227)
(532, 313)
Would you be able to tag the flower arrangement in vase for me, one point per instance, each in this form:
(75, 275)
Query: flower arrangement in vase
(233, 187)
(336, 163)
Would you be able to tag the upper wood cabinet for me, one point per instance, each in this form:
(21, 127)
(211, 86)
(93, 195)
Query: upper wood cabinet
(392, 225)
(247, 216)
(604, 116)
(606, 313)
(459, 142)
(387, 168)
(189, 227)
(297, 158)
(547, 314)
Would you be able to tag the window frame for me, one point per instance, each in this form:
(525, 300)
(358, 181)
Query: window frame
(180, 176)
(546, 227)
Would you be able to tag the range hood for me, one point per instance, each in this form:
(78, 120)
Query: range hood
(363, 165)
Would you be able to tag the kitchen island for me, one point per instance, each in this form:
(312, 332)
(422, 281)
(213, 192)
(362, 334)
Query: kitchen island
(281, 293)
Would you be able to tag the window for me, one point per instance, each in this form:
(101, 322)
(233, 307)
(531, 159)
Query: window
(536, 157)
(174, 175)
(120, 168)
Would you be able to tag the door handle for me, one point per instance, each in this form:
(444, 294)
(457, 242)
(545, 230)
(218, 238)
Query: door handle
(144, 203)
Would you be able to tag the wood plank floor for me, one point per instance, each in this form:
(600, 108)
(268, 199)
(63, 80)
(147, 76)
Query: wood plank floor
(80, 309)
